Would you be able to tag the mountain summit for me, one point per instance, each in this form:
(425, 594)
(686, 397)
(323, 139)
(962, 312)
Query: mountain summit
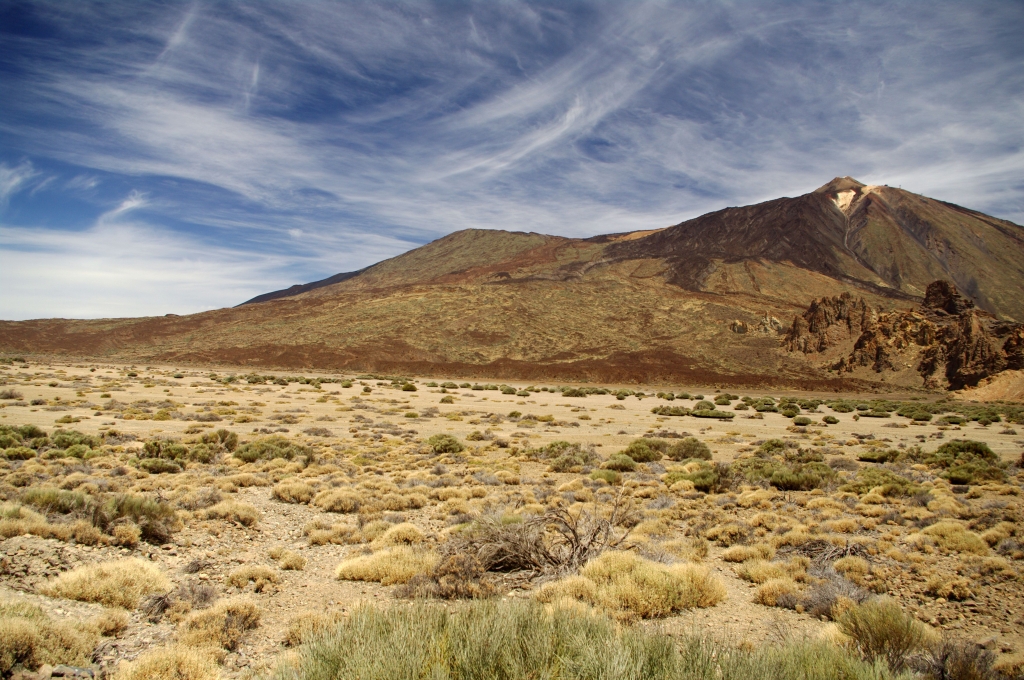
(697, 301)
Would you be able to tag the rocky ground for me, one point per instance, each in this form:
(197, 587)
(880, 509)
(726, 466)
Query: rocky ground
(369, 437)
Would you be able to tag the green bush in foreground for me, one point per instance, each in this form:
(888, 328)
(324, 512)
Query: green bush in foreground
(494, 639)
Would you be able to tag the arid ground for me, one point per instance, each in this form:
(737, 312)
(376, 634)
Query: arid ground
(336, 467)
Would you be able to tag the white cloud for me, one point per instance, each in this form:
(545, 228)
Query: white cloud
(14, 179)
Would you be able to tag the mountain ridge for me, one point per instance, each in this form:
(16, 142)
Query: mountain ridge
(686, 302)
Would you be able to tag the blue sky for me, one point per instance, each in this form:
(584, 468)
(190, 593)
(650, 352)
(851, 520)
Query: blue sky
(175, 157)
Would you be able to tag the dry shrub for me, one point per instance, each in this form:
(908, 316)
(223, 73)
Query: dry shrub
(31, 638)
(223, 624)
(760, 571)
(111, 623)
(198, 499)
(743, 553)
(294, 492)
(692, 548)
(308, 625)
(949, 587)
(119, 583)
(320, 532)
(233, 511)
(629, 587)
(852, 567)
(777, 592)
(338, 500)
(456, 577)
(388, 567)
(291, 561)
(999, 532)
(955, 659)
(952, 536)
(879, 629)
(371, 531)
(127, 534)
(399, 534)
(729, 533)
(261, 576)
(176, 662)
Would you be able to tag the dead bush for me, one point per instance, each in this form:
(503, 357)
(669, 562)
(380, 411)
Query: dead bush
(259, 575)
(293, 492)
(388, 567)
(120, 583)
(455, 577)
(630, 587)
(223, 624)
(30, 638)
(233, 511)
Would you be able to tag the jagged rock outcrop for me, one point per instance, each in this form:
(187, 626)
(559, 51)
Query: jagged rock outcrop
(959, 345)
(966, 349)
(943, 295)
(828, 323)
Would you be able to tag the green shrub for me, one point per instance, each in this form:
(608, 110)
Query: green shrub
(607, 475)
(891, 484)
(830, 420)
(445, 443)
(620, 462)
(156, 466)
(704, 413)
(63, 439)
(966, 461)
(156, 520)
(877, 456)
(645, 450)
(687, 448)
(19, 453)
(802, 421)
(670, 410)
(495, 639)
(447, 400)
(408, 387)
(220, 440)
(269, 448)
(707, 478)
(879, 629)
(50, 499)
(703, 405)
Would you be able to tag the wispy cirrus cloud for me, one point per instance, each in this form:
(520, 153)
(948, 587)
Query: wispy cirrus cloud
(310, 138)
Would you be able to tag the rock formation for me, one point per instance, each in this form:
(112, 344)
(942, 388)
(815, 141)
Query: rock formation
(955, 344)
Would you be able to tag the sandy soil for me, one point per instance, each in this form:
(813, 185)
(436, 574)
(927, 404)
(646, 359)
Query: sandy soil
(352, 421)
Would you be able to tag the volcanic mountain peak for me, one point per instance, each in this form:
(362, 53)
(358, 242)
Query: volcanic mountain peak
(840, 184)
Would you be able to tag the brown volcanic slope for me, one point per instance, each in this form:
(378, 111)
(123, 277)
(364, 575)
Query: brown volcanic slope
(692, 302)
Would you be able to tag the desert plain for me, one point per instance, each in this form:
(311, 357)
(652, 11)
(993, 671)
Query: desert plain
(281, 503)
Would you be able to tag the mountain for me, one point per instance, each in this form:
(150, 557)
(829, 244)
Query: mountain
(699, 301)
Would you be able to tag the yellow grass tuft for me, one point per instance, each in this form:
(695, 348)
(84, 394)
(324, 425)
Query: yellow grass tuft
(388, 567)
(630, 587)
(222, 625)
(952, 536)
(233, 511)
(119, 583)
(293, 492)
(400, 534)
(260, 575)
(759, 571)
(176, 662)
(338, 500)
(31, 638)
(773, 592)
(743, 553)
